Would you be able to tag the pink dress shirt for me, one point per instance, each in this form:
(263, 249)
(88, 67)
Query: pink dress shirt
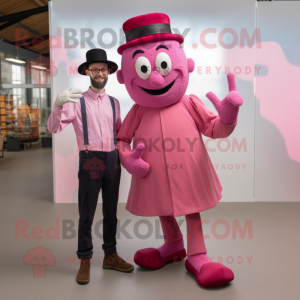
(99, 120)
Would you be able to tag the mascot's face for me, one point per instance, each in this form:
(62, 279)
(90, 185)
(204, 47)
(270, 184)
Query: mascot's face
(155, 74)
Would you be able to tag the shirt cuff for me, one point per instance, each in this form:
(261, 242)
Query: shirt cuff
(57, 109)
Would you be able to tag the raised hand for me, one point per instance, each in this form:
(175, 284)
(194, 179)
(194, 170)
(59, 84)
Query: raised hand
(228, 108)
(134, 164)
(68, 95)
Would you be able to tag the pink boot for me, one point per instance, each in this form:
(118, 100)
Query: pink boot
(208, 274)
(152, 258)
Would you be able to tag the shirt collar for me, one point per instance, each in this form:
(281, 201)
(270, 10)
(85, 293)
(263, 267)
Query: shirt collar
(94, 95)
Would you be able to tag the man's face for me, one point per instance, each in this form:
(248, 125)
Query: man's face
(99, 80)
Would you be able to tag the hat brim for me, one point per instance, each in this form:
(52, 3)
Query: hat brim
(151, 38)
(111, 65)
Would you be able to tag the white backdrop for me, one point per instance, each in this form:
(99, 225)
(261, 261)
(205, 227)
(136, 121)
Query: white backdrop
(260, 161)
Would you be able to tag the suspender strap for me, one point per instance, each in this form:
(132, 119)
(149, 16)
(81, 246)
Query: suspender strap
(114, 115)
(84, 122)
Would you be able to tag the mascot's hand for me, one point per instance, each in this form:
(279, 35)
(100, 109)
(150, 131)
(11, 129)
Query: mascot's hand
(134, 164)
(228, 108)
(68, 95)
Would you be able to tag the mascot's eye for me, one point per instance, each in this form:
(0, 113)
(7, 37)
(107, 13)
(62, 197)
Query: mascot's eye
(143, 67)
(163, 63)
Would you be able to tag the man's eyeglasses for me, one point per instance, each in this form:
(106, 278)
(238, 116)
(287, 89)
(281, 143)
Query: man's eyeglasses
(96, 71)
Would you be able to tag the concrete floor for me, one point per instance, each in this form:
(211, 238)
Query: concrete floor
(266, 265)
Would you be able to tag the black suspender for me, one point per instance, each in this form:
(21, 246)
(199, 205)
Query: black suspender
(84, 123)
(114, 115)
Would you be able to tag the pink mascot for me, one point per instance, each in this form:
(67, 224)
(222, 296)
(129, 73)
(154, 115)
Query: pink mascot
(172, 174)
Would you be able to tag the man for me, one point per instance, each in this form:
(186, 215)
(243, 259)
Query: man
(95, 123)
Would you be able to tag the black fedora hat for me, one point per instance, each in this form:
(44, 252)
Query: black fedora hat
(95, 56)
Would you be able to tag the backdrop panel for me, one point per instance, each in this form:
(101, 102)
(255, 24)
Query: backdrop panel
(277, 138)
(220, 37)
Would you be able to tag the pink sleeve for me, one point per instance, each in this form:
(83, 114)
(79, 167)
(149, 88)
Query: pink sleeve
(127, 131)
(118, 116)
(208, 123)
(61, 117)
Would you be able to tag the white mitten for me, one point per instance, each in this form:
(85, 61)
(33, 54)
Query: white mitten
(68, 95)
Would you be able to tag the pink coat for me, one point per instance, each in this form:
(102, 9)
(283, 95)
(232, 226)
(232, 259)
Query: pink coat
(181, 179)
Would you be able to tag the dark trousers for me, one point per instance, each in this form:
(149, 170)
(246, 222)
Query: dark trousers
(98, 170)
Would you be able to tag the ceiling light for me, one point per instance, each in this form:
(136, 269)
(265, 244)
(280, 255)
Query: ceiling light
(16, 60)
(39, 67)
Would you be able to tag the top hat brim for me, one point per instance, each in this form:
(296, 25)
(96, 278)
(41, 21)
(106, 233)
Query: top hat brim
(111, 65)
(151, 38)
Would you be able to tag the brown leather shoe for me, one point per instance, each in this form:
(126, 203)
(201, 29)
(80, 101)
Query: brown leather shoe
(83, 275)
(114, 262)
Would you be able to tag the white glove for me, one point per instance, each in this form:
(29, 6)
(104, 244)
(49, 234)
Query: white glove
(68, 95)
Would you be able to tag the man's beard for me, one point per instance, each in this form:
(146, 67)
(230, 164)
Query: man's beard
(98, 84)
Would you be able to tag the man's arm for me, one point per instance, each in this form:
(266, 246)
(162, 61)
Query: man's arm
(63, 112)
(61, 117)
(118, 115)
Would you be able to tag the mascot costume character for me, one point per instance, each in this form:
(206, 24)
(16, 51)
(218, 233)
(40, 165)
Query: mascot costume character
(172, 174)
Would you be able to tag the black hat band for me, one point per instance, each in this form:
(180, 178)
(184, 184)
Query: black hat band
(147, 30)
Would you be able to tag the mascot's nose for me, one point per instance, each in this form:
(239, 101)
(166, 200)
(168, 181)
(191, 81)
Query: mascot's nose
(156, 79)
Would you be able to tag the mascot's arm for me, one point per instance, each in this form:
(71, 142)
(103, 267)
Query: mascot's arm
(126, 132)
(220, 126)
(208, 123)
(131, 160)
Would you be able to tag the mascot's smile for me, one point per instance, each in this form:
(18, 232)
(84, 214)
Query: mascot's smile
(160, 91)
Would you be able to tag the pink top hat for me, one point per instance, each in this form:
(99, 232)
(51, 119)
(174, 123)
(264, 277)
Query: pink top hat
(148, 28)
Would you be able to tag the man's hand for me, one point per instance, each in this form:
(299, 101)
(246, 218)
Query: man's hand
(134, 164)
(68, 95)
(228, 108)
